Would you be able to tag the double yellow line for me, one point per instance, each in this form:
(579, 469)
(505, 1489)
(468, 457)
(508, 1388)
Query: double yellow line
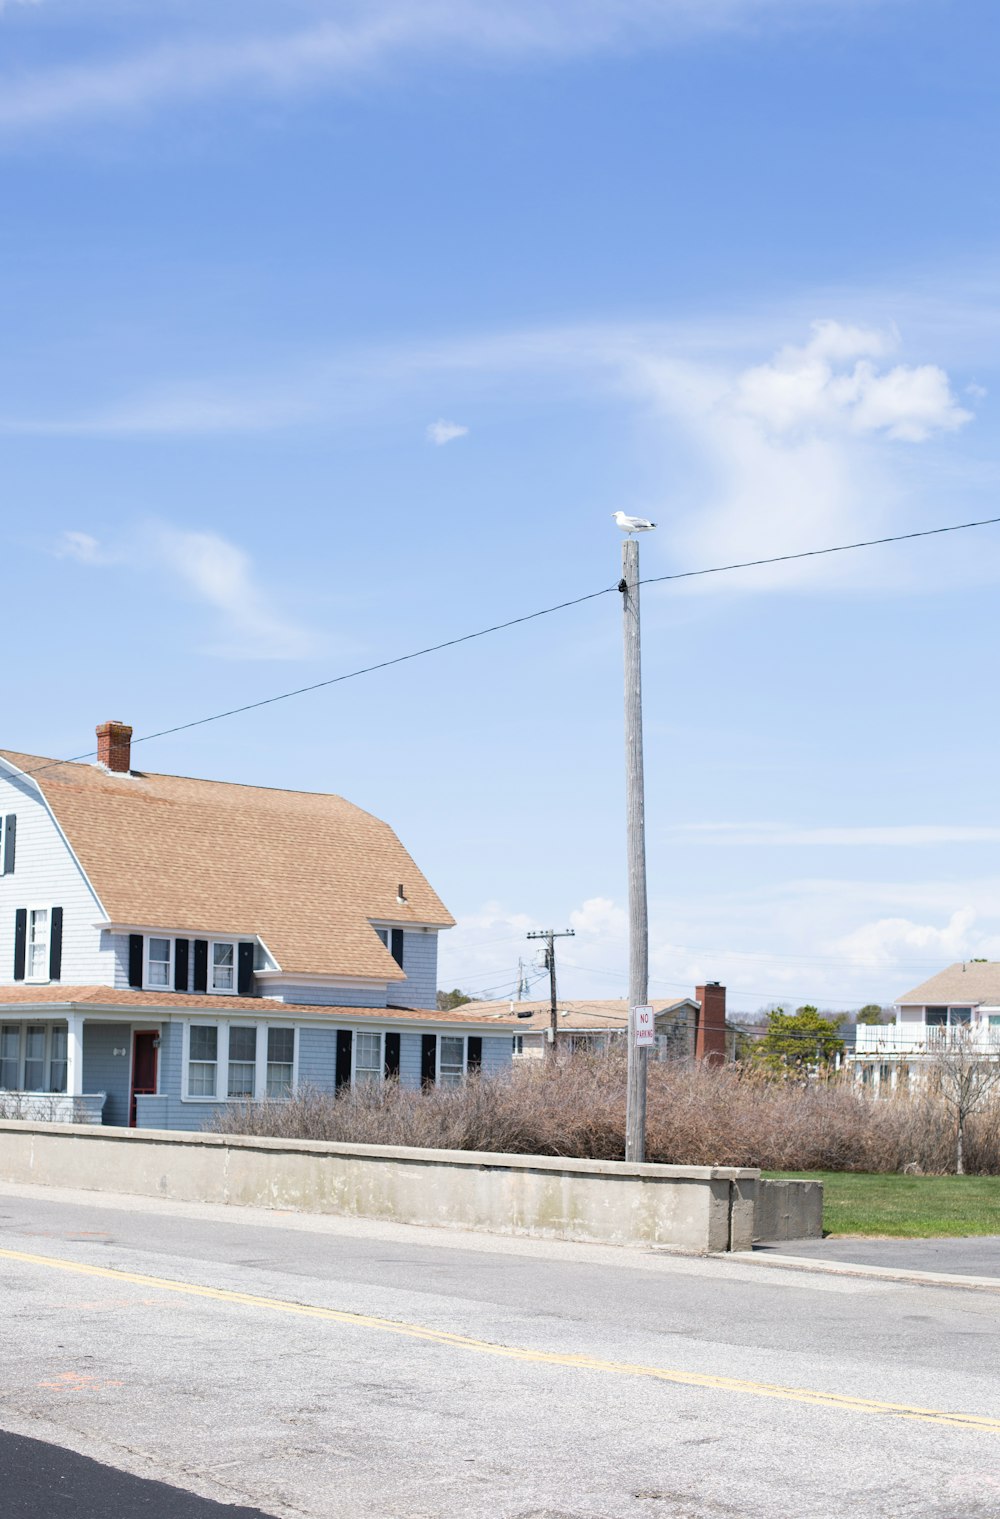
(842, 1401)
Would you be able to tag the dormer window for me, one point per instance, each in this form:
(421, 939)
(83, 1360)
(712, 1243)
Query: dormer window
(160, 963)
(222, 968)
(38, 944)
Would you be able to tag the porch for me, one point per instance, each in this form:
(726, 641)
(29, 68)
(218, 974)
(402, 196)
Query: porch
(74, 1069)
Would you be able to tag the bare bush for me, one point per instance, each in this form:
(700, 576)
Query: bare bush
(697, 1115)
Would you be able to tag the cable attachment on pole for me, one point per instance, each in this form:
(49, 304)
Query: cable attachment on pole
(623, 586)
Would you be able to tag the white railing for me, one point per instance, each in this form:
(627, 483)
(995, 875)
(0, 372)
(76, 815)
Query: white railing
(918, 1039)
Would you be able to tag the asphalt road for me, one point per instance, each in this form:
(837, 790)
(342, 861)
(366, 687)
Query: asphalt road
(338, 1369)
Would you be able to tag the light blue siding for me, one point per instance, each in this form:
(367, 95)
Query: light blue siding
(420, 964)
(327, 996)
(171, 1057)
(47, 875)
(103, 1071)
(409, 1060)
(164, 1112)
(497, 1054)
(318, 1058)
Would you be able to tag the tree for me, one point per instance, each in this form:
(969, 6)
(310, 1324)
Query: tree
(967, 1076)
(455, 998)
(870, 1013)
(797, 1043)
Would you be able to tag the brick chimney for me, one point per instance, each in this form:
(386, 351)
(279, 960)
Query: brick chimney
(114, 747)
(710, 1034)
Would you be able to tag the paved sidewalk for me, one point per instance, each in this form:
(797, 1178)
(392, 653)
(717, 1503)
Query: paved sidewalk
(972, 1255)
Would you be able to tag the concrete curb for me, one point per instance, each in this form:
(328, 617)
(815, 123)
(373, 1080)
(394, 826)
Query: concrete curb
(871, 1273)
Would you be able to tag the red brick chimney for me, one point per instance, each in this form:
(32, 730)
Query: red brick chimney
(114, 747)
(710, 1034)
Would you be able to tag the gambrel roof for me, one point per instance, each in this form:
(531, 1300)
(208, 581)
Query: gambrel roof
(304, 871)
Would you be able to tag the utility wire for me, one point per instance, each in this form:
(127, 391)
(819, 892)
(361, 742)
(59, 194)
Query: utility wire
(513, 622)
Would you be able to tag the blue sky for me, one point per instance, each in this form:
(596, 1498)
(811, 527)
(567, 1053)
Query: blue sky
(336, 329)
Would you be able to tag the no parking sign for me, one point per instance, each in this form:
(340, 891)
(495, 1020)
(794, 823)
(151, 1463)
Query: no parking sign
(643, 1028)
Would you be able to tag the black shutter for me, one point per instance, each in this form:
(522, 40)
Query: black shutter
(135, 959)
(9, 837)
(244, 969)
(474, 1061)
(55, 945)
(20, 941)
(391, 1056)
(428, 1059)
(396, 946)
(344, 1040)
(182, 957)
(201, 965)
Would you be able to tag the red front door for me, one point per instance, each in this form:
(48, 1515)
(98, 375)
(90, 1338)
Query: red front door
(143, 1068)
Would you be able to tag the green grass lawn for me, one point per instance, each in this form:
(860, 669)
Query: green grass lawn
(906, 1207)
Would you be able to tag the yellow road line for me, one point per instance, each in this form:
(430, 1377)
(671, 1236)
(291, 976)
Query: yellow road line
(518, 1353)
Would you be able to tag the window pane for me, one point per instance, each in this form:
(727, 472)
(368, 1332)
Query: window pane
(34, 1063)
(367, 1057)
(243, 1044)
(452, 1059)
(10, 1051)
(159, 962)
(961, 1015)
(280, 1055)
(204, 1043)
(937, 1017)
(38, 943)
(281, 1045)
(242, 1077)
(57, 1060)
(201, 1079)
(222, 967)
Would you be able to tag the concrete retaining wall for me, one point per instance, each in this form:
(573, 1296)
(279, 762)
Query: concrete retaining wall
(695, 1208)
(788, 1210)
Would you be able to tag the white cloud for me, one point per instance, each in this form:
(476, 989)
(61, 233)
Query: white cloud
(210, 569)
(81, 546)
(816, 388)
(883, 941)
(905, 835)
(220, 574)
(442, 432)
(359, 40)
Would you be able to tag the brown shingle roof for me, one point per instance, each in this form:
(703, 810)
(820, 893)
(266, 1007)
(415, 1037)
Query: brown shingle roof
(101, 998)
(967, 984)
(304, 870)
(593, 1014)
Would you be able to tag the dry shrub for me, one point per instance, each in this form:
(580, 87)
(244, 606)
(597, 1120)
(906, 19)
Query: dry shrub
(697, 1115)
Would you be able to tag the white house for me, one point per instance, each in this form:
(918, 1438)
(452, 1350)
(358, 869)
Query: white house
(168, 945)
(958, 1005)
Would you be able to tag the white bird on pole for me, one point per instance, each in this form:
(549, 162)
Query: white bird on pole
(633, 524)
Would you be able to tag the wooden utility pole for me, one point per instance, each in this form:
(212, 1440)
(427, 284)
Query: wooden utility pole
(635, 822)
(550, 936)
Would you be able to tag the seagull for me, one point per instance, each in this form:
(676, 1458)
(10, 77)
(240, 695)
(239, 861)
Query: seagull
(633, 524)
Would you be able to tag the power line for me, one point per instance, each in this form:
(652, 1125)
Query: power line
(513, 622)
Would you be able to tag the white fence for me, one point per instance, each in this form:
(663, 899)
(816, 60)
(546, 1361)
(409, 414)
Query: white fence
(919, 1039)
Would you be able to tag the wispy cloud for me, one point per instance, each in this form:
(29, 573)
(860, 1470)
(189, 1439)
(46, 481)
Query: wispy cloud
(358, 39)
(784, 835)
(442, 432)
(211, 570)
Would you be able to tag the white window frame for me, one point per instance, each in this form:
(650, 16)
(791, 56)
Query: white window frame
(222, 1027)
(465, 1058)
(222, 991)
(378, 1034)
(45, 907)
(3, 841)
(22, 1025)
(147, 984)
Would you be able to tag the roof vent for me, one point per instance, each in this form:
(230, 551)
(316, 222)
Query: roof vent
(400, 893)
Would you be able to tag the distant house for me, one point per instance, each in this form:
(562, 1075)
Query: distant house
(960, 1004)
(170, 945)
(692, 1027)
